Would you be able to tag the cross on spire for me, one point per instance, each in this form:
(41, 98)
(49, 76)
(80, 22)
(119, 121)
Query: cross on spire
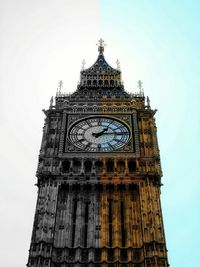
(101, 44)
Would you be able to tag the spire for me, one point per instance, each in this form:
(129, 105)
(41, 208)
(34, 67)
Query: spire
(101, 44)
(100, 74)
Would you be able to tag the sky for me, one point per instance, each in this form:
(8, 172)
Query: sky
(42, 42)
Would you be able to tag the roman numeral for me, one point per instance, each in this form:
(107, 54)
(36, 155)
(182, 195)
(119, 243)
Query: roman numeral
(88, 145)
(78, 128)
(120, 127)
(111, 146)
(88, 123)
(120, 141)
(99, 122)
(75, 134)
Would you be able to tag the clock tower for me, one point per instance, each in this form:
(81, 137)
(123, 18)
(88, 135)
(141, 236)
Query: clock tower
(99, 177)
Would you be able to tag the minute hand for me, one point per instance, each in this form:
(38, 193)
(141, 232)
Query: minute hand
(117, 133)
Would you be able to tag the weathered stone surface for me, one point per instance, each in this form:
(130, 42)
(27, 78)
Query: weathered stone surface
(96, 208)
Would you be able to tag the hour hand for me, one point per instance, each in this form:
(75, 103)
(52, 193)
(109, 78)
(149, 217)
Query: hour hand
(100, 133)
(95, 134)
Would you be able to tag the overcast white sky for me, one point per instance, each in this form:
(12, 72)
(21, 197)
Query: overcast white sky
(42, 42)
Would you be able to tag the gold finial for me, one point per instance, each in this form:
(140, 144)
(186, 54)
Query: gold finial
(118, 64)
(83, 64)
(101, 44)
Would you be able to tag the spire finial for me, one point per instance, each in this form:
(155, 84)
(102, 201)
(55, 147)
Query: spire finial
(118, 64)
(60, 86)
(51, 103)
(148, 102)
(83, 64)
(140, 88)
(101, 44)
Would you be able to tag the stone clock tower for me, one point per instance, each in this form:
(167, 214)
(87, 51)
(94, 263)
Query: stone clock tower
(99, 178)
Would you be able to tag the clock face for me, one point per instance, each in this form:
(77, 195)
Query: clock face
(99, 134)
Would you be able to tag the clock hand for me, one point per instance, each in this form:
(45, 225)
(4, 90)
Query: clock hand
(100, 133)
(117, 133)
(103, 133)
(105, 130)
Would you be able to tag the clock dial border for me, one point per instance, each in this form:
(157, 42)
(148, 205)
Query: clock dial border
(99, 134)
(129, 120)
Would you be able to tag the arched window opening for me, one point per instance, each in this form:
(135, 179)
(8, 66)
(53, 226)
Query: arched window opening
(88, 166)
(98, 166)
(76, 166)
(106, 82)
(100, 82)
(132, 166)
(65, 166)
(121, 166)
(109, 166)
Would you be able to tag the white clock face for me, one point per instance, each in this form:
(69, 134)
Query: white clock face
(99, 134)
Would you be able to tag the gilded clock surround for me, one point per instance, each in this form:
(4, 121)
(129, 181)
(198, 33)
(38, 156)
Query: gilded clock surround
(99, 209)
